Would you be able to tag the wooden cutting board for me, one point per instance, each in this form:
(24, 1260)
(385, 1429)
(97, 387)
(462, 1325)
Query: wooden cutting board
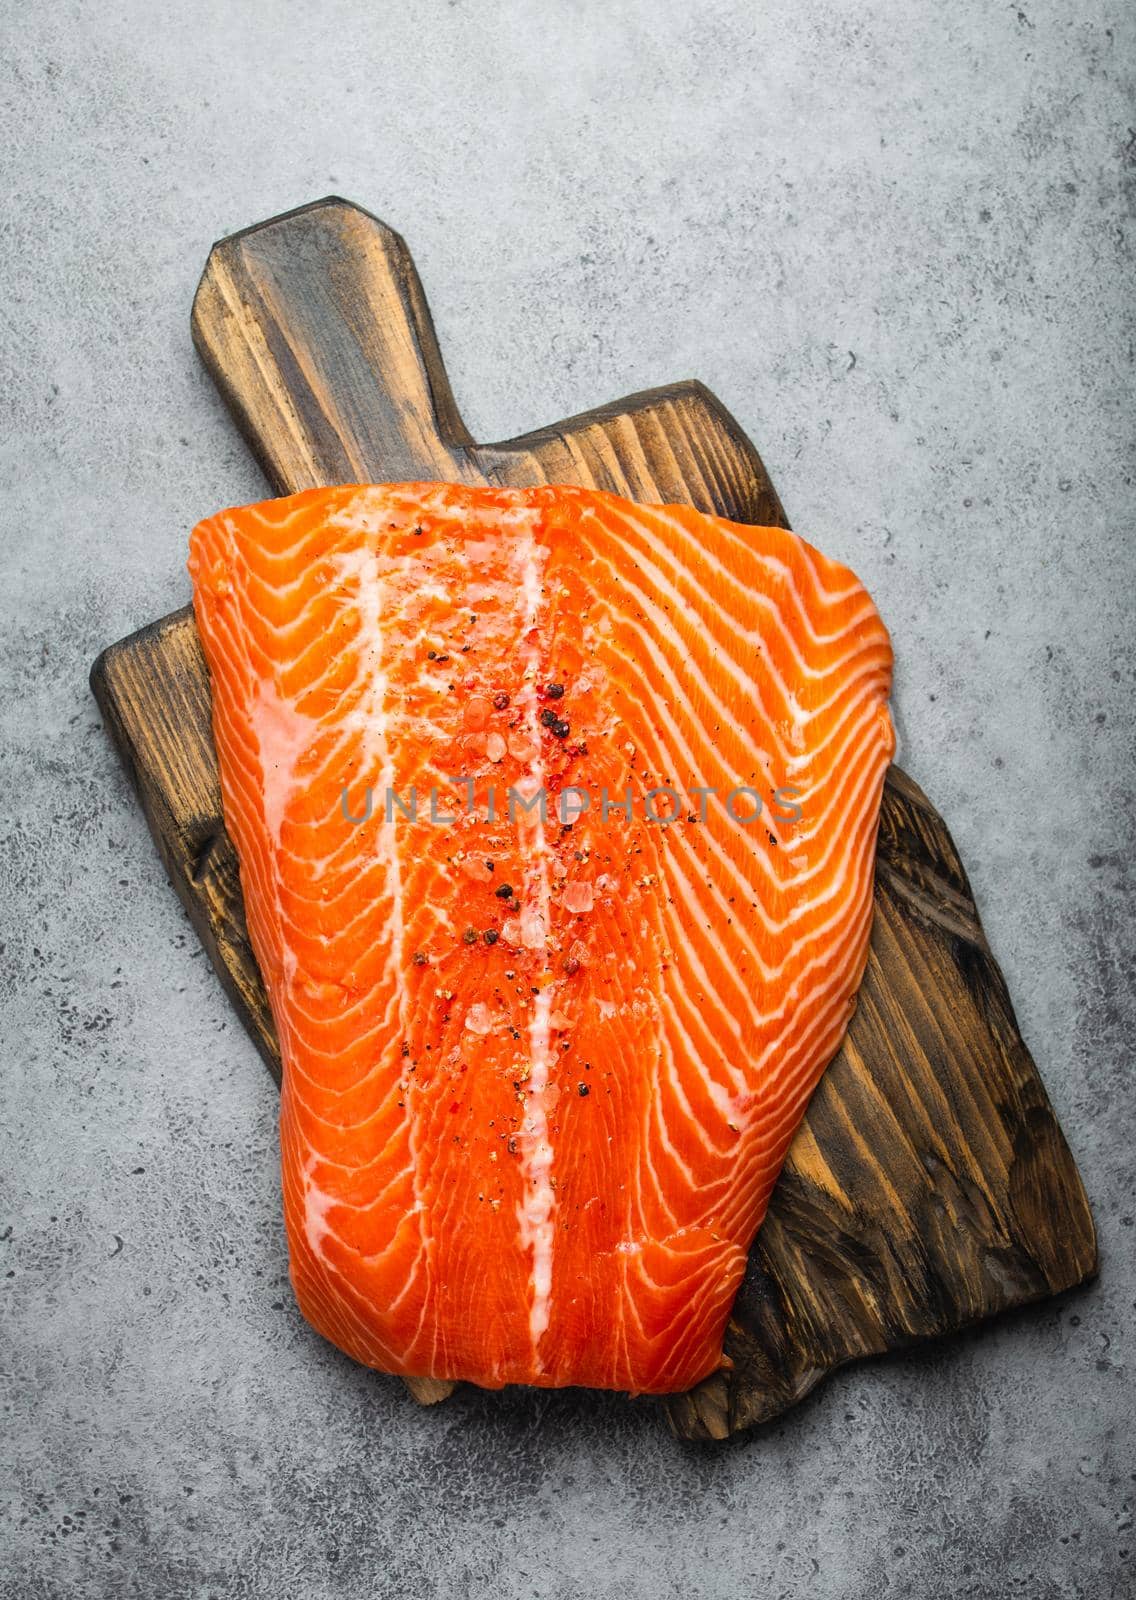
(930, 1184)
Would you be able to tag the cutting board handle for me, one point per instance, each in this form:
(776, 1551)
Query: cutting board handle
(316, 331)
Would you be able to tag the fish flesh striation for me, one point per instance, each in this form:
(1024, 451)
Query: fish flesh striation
(556, 818)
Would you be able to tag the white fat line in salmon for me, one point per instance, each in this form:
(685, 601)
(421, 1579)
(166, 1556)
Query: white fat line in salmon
(536, 1213)
(572, 802)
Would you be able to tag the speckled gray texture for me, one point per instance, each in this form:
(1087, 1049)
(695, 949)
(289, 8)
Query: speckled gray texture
(896, 238)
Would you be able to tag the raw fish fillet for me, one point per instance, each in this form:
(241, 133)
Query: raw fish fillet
(540, 1071)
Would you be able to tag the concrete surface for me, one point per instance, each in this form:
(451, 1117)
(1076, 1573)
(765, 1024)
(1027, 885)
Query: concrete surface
(897, 239)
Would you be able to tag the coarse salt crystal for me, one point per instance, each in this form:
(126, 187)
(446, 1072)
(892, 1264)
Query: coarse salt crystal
(577, 898)
(479, 1019)
(476, 715)
(522, 748)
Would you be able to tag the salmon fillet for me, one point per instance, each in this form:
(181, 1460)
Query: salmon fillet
(556, 818)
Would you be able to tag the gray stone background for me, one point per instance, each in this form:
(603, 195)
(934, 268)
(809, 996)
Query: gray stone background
(897, 239)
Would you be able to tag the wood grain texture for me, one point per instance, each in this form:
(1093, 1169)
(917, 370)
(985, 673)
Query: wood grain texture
(930, 1184)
